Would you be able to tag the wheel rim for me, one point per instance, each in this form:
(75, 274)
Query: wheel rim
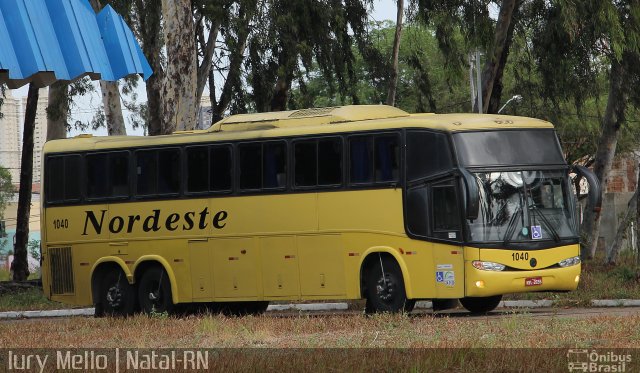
(114, 296)
(386, 288)
(154, 296)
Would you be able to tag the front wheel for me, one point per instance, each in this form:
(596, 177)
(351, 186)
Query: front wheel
(385, 290)
(481, 304)
(154, 291)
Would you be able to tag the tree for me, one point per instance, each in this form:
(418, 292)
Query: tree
(57, 111)
(180, 80)
(393, 82)
(151, 37)
(497, 58)
(6, 189)
(20, 265)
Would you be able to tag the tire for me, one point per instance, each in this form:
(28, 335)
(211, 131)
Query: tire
(154, 292)
(116, 297)
(481, 304)
(386, 293)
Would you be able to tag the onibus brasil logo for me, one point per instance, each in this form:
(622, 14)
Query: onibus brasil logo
(584, 360)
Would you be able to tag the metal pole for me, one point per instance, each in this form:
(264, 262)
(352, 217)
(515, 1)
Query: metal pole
(473, 88)
(479, 81)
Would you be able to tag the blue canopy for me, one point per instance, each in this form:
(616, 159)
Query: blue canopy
(43, 41)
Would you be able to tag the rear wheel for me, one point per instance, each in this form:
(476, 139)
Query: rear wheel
(154, 291)
(481, 304)
(116, 297)
(385, 290)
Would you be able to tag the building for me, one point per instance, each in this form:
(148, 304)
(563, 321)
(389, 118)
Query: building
(39, 134)
(10, 139)
(11, 126)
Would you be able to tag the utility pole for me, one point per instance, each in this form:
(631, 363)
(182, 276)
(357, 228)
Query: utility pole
(476, 89)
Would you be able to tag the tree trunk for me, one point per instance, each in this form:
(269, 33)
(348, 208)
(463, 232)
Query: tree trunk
(490, 71)
(57, 111)
(113, 108)
(207, 60)
(152, 43)
(111, 97)
(20, 265)
(180, 81)
(393, 81)
(613, 119)
(279, 100)
(235, 64)
(623, 225)
(496, 93)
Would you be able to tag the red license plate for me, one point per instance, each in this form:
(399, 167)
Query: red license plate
(533, 281)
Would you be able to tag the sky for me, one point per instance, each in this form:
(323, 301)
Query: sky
(88, 105)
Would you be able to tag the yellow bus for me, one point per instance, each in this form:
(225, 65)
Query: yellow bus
(329, 203)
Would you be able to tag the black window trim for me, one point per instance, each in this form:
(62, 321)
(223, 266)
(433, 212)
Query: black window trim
(236, 167)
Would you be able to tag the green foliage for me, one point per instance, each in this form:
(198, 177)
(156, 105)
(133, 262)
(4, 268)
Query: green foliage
(6, 189)
(33, 247)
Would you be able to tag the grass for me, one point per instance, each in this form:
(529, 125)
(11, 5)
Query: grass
(304, 342)
(28, 300)
(325, 331)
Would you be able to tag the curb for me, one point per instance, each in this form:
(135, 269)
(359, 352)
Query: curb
(318, 307)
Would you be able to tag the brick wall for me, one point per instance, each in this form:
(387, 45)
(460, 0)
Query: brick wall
(623, 175)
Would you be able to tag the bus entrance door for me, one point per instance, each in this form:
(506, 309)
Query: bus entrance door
(448, 261)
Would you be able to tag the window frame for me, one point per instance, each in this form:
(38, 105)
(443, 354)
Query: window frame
(372, 138)
(316, 141)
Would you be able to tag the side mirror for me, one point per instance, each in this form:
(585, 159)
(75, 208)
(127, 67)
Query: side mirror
(472, 195)
(595, 190)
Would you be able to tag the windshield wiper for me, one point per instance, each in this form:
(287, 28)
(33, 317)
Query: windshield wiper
(511, 227)
(545, 221)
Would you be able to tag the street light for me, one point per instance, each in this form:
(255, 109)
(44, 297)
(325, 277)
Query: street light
(517, 98)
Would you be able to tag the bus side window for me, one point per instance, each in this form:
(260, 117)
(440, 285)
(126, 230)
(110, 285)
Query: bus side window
(55, 179)
(146, 172)
(169, 171)
(446, 212)
(197, 169)
(427, 154)
(274, 168)
(96, 168)
(63, 181)
(361, 152)
(417, 210)
(119, 174)
(387, 158)
(72, 165)
(249, 166)
(221, 166)
(306, 163)
(330, 161)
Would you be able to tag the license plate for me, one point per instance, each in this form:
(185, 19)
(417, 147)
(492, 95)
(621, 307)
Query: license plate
(533, 281)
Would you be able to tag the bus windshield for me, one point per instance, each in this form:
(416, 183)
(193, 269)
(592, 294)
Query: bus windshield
(523, 206)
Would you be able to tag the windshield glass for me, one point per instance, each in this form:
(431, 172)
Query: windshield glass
(523, 206)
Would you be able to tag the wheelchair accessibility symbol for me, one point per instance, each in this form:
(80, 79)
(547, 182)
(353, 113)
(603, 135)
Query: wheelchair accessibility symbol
(439, 276)
(536, 232)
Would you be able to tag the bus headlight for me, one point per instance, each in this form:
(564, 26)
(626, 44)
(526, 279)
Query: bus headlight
(488, 266)
(570, 262)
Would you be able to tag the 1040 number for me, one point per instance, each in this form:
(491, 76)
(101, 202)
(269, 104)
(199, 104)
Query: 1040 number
(520, 256)
(61, 223)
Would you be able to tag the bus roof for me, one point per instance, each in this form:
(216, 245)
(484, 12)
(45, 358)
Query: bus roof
(352, 118)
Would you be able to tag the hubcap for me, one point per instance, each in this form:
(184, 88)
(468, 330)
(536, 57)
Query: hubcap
(385, 288)
(114, 296)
